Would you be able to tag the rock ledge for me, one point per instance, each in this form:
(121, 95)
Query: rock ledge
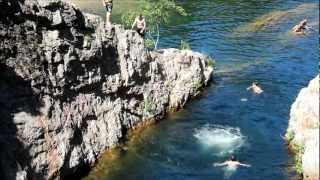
(303, 130)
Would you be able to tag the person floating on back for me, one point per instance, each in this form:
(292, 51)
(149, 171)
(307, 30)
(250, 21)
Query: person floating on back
(300, 28)
(232, 163)
(255, 88)
(139, 25)
(108, 5)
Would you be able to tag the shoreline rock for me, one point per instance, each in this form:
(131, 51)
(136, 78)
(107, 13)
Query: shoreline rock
(71, 88)
(303, 130)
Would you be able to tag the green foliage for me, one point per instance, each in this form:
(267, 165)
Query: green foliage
(148, 106)
(290, 135)
(127, 18)
(197, 84)
(159, 12)
(149, 43)
(184, 45)
(298, 163)
(210, 62)
(299, 149)
(156, 13)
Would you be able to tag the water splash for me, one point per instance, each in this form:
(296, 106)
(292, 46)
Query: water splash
(228, 172)
(221, 140)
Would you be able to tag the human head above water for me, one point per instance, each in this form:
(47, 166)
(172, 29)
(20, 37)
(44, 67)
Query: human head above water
(232, 158)
(255, 82)
(304, 22)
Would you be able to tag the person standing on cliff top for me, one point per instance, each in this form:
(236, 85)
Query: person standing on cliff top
(139, 25)
(108, 5)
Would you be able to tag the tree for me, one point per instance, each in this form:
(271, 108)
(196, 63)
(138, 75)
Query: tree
(156, 12)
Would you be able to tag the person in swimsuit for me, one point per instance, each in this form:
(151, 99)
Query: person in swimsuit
(139, 25)
(255, 88)
(232, 163)
(300, 28)
(108, 5)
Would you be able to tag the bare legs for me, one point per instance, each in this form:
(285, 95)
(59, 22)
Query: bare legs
(108, 18)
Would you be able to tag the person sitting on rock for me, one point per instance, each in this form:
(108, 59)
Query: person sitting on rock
(108, 5)
(232, 163)
(139, 25)
(300, 28)
(255, 88)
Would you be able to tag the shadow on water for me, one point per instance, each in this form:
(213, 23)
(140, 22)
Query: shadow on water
(16, 95)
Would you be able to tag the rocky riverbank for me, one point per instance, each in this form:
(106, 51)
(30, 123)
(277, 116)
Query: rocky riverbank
(303, 130)
(71, 88)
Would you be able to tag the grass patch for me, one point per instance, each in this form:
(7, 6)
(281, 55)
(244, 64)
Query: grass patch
(184, 45)
(298, 149)
(149, 43)
(197, 84)
(289, 135)
(148, 106)
(210, 62)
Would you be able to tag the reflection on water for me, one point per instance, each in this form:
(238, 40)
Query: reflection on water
(229, 118)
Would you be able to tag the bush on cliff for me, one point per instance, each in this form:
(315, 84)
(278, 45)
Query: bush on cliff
(156, 12)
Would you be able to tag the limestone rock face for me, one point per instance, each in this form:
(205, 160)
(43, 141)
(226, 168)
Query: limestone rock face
(303, 128)
(71, 88)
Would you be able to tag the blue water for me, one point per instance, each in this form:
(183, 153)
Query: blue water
(227, 119)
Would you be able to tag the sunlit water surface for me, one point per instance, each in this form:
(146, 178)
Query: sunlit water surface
(227, 119)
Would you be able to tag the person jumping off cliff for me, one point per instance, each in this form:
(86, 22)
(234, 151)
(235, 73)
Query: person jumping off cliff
(108, 5)
(139, 25)
(232, 163)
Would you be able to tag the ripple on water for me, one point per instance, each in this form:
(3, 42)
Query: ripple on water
(221, 140)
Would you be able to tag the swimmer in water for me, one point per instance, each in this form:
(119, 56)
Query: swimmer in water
(300, 28)
(255, 88)
(232, 163)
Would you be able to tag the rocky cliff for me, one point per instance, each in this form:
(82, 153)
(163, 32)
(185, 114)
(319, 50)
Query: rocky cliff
(303, 130)
(71, 88)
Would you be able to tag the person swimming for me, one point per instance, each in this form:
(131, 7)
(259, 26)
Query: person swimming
(255, 88)
(300, 28)
(231, 163)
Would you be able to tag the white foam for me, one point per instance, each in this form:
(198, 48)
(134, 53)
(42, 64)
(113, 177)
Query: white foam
(244, 99)
(221, 140)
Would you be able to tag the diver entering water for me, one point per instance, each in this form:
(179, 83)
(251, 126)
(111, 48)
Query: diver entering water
(232, 163)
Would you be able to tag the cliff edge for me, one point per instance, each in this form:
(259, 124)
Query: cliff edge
(303, 130)
(71, 88)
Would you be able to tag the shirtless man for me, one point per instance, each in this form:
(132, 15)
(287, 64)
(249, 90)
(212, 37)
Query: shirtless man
(139, 25)
(255, 88)
(231, 163)
(300, 28)
(108, 5)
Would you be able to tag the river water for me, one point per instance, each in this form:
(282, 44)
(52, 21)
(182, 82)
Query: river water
(250, 41)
